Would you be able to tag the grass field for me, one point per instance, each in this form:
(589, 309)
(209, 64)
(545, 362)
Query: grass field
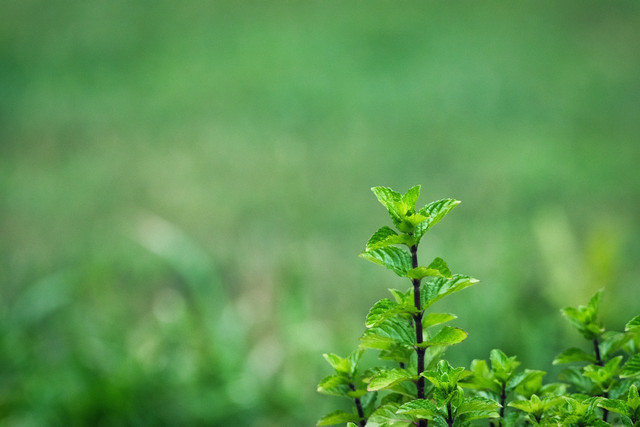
(184, 188)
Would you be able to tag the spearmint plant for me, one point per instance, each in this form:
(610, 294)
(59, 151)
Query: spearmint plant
(414, 385)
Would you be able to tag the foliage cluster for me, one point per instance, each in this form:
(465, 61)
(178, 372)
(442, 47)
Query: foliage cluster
(416, 385)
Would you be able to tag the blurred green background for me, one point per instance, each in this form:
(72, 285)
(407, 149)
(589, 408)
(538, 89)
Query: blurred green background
(184, 188)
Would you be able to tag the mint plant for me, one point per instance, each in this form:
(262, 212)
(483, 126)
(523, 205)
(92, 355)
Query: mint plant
(414, 385)
(404, 333)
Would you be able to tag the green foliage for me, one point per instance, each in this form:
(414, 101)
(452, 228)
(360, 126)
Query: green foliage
(421, 386)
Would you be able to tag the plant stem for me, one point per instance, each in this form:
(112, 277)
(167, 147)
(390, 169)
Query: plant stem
(417, 318)
(503, 400)
(449, 416)
(596, 347)
(600, 362)
(358, 403)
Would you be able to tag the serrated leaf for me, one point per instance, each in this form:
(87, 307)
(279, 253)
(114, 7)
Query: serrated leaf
(502, 365)
(437, 268)
(340, 364)
(385, 309)
(353, 360)
(387, 237)
(573, 355)
(368, 402)
(381, 235)
(476, 408)
(585, 318)
(421, 409)
(633, 398)
(335, 385)
(523, 378)
(525, 405)
(612, 342)
(433, 319)
(387, 196)
(396, 353)
(337, 417)
(481, 378)
(387, 378)
(386, 416)
(448, 335)
(574, 376)
(594, 302)
(390, 333)
(392, 200)
(477, 404)
(440, 265)
(632, 367)
(434, 212)
(396, 259)
(411, 196)
(434, 290)
(405, 298)
(422, 272)
(633, 323)
(445, 377)
(614, 405)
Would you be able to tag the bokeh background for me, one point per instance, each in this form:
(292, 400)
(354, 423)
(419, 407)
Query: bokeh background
(184, 188)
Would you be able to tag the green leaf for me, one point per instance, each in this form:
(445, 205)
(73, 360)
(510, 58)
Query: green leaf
(502, 365)
(411, 196)
(602, 375)
(448, 335)
(335, 385)
(632, 367)
(434, 212)
(433, 319)
(633, 399)
(394, 203)
(386, 416)
(440, 265)
(353, 360)
(524, 378)
(614, 405)
(437, 268)
(612, 342)
(582, 383)
(633, 323)
(385, 236)
(482, 378)
(385, 309)
(380, 236)
(404, 298)
(393, 258)
(386, 378)
(532, 406)
(390, 333)
(435, 289)
(341, 365)
(594, 302)
(445, 377)
(350, 424)
(422, 272)
(337, 417)
(477, 408)
(368, 402)
(387, 197)
(573, 355)
(421, 409)
(585, 318)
